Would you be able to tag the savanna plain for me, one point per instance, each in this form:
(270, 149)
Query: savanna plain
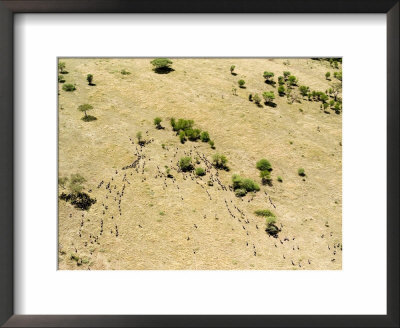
(200, 164)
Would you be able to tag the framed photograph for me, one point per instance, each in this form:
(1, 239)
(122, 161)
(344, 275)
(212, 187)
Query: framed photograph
(187, 164)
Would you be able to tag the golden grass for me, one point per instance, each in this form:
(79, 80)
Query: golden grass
(201, 90)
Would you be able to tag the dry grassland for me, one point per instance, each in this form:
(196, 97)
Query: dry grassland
(168, 224)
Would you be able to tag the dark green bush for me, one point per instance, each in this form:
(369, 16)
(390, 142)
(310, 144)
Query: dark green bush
(250, 97)
(265, 213)
(281, 80)
(327, 75)
(281, 90)
(268, 76)
(241, 83)
(304, 90)
(232, 68)
(266, 177)
(268, 96)
(89, 78)
(212, 144)
(286, 74)
(162, 65)
(61, 79)
(279, 179)
(243, 183)
(193, 134)
(185, 164)
(182, 136)
(292, 80)
(157, 122)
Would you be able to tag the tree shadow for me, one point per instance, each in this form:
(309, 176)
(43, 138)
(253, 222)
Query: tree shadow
(163, 70)
(64, 72)
(259, 105)
(92, 84)
(234, 74)
(270, 82)
(270, 104)
(89, 118)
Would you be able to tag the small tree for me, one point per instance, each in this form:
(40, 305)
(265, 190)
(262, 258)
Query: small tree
(292, 80)
(185, 164)
(84, 108)
(157, 122)
(241, 83)
(257, 99)
(328, 75)
(268, 96)
(232, 69)
(281, 90)
(286, 74)
(268, 76)
(61, 79)
(266, 177)
(212, 144)
(281, 80)
(61, 67)
(89, 78)
(323, 97)
(162, 65)
(304, 90)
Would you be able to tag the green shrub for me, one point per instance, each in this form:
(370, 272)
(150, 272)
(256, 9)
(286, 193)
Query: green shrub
(162, 65)
(250, 97)
(281, 90)
(244, 183)
(182, 136)
(193, 134)
(279, 179)
(232, 68)
(323, 97)
(139, 137)
(301, 172)
(61, 79)
(69, 87)
(338, 75)
(327, 75)
(263, 165)
(268, 76)
(204, 136)
(61, 68)
(182, 124)
(241, 83)
(240, 192)
(200, 171)
(270, 220)
(304, 90)
(212, 144)
(257, 99)
(157, 122)
(265, 213)
(220, 161)
(266, 177)
(281, 80)
(286, 74)
(185, 164)
(173, 123)
(268, 96)
(292, 80)
(84, 108)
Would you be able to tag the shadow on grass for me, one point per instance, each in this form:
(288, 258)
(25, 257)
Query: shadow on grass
(163, 70)
(92, 84)
(270, 104)
(89, 118)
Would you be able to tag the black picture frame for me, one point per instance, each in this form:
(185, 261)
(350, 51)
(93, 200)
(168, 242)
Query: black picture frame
(10, 7)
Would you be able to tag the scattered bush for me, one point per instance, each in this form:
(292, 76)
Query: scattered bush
(89, 78)
(241, 83)
(250, 97)
(193, 134)
(69, 87)
(286, 74)
(162, 65)
(292, 80)
(220, 161)
(301, 172)
(200, 171)
(61, 68)
(338, 75)
(257, 99)
(323, 97)
(268, 76)
(244, 183)
(211, 143)
(279, 179)
(157, 122)
(204, 136)
(182, 124)
(266, 177)
(125, 72)
(139, 137)
(265, 213)
(61, 79)
(182, 137)
(304, 90)
(232, 69)
(240, 192)
(264, 165)
(185, 164)
(281, 90)
(281, 80)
